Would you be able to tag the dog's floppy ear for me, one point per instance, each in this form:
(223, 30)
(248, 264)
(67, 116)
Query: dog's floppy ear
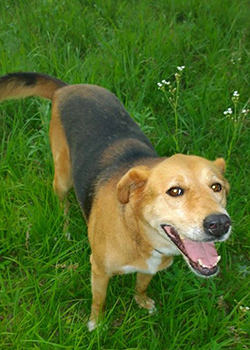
(221, 164)
(133, 179)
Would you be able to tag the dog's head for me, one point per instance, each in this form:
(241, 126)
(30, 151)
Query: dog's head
(181, 204)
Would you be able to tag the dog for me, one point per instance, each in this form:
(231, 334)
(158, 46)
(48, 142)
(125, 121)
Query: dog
(141, 209)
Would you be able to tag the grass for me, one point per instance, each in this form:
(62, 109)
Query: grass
(127, 47)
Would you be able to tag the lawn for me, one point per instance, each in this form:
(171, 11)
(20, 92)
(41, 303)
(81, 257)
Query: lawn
(127, 47)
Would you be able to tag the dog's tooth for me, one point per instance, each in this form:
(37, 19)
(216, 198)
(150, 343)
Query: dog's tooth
(217, 260)
(209, 266)
(205, 266)
(201, 263)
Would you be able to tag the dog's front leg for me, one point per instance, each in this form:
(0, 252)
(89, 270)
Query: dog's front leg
(141, 297)
(99, 284)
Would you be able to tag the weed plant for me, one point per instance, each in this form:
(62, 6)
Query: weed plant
(127, 47)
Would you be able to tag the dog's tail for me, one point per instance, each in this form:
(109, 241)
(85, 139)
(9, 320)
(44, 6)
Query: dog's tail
(18, 85)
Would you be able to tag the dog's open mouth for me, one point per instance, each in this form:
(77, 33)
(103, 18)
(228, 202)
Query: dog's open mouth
(202, 256)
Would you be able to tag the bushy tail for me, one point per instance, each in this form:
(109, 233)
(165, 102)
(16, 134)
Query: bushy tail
(18, 85)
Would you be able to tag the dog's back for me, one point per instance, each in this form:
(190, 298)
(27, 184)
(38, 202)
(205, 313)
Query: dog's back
(102, 137)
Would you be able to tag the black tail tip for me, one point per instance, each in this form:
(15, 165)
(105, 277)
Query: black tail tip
(28, 79)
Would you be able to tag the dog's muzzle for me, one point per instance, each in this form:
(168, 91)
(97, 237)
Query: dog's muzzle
(217, 225)
(201, 255)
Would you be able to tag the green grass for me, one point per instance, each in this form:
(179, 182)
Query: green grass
(127, 47)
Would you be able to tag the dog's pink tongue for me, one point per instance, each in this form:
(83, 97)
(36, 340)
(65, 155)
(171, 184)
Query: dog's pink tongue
(205, 251)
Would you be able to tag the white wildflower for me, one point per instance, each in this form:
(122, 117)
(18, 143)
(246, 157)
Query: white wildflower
(165, 82)
(228, 111)
(236, 94)
(159, 85)
(180, 68)
(245, 111)
(244, 308)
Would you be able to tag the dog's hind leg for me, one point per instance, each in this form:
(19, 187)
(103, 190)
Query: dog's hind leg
(62, 169)
(141, 297)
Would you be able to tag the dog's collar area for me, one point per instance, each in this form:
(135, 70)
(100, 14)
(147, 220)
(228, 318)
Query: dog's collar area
(201, 256)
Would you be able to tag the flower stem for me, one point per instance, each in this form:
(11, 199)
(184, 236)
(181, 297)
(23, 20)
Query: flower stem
(176, 118)
(235, 129)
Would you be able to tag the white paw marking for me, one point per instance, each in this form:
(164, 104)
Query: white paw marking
(91, 326)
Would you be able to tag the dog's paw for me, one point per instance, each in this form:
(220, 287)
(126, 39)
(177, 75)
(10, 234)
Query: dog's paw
(146, 303)
(152, 311)
(92, 325)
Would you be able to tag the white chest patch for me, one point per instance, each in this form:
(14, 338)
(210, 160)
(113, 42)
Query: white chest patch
(153, 264)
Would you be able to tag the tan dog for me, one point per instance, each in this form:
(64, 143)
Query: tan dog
(141, 210)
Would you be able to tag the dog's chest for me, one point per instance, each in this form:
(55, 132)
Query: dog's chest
(151, 265)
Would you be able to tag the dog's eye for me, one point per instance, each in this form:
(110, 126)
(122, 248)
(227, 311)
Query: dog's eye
(216, 187)
(175, 191)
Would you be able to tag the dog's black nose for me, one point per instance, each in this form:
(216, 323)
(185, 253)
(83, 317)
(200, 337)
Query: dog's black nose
(217, 225)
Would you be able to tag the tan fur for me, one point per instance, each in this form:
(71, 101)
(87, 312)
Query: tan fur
(62, 169)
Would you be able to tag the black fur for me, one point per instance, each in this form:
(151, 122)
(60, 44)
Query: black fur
(93, 121)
